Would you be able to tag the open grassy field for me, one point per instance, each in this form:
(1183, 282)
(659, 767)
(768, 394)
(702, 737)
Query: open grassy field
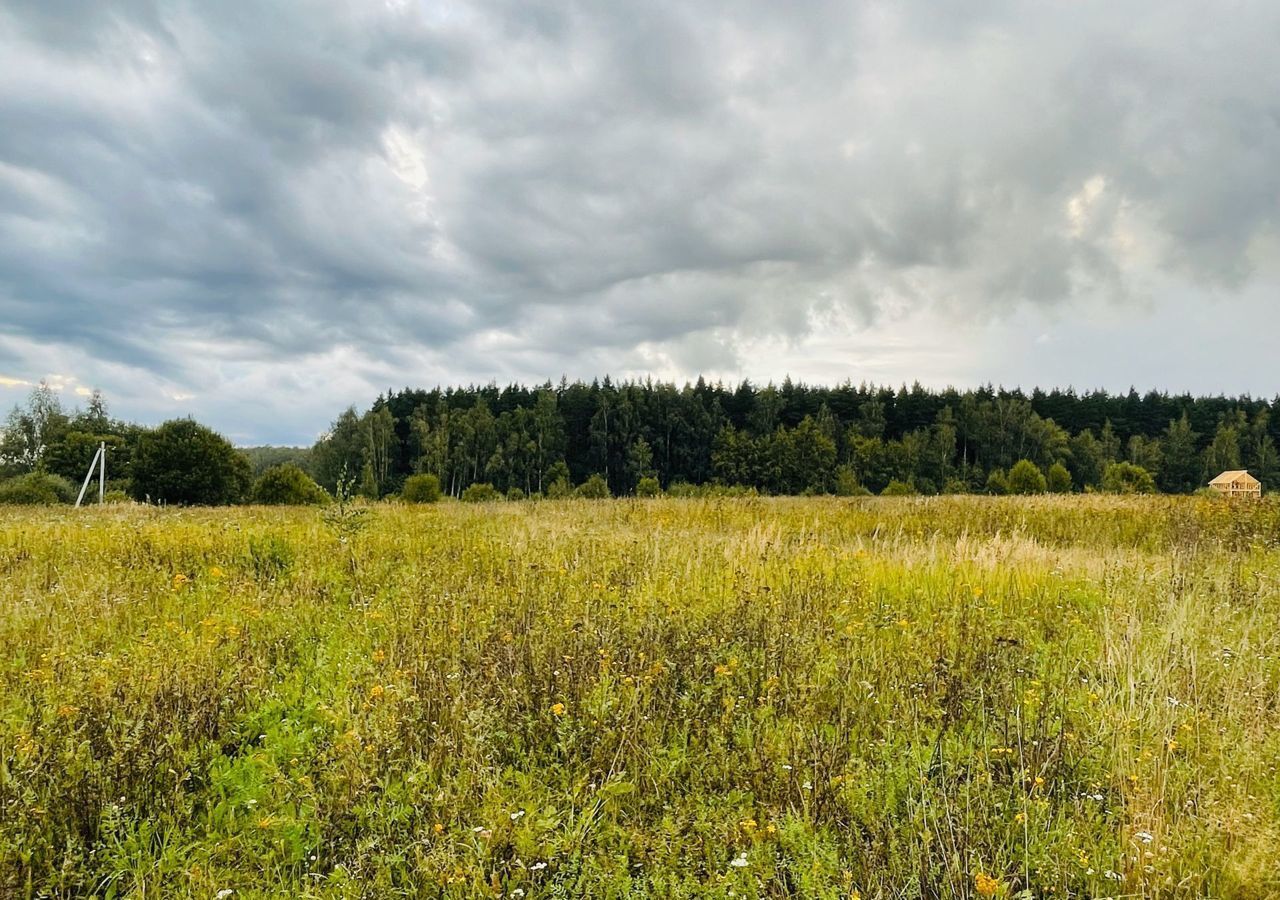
(953, 697)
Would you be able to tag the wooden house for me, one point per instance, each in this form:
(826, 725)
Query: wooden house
(1237, 484)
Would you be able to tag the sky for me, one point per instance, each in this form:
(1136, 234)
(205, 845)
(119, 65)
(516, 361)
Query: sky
(257, 214)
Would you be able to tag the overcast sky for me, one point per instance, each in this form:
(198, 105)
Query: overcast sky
(257, 213)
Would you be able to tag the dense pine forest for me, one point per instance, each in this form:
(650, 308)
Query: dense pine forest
(794, 438)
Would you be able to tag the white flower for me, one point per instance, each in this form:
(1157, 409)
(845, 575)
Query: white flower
(518, 892)
(739, 861)
(537, 867)
(517, 816)
(224, 893)
(1145, 836)
(808, 785)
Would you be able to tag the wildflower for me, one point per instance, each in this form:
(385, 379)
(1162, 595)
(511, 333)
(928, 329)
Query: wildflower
(216, 572)
(517, 815)
(1172, 745)
(66, 711)
(438, 828)
(537, 867)
(748, 825)
(1145, 836)
(557, 709)
(179, 580)
(723, 670)
(379, 655)
(224, 893)
(739, 861)
(985, 885)
(376, 692)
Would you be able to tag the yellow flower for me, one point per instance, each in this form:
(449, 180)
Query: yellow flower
(438, 828)
(66, 710)
(985, 885)
(379, 656)
(557, 709)
(216, 572)
(376, 692)
(179, 580)
(748, 825)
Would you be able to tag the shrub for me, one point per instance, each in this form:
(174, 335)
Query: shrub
(648, 487)
(37, 489)
(559, 489)
(515, 494)
(1127, 478)
(955, 486)
(997, 483)
(594, 488)
(1059, 479)
(184, 463)
(481, 492)
(681, 489)
(1026, 478)
(420, 489)
(898, 488)
(847, 484)
(288, 485)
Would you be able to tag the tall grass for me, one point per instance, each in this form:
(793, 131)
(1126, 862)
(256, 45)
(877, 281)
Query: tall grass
(954, 697)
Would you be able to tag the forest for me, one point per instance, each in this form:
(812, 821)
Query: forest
(794, 438)
(634, 436)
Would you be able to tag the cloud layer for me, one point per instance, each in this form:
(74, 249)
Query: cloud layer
(265, 212)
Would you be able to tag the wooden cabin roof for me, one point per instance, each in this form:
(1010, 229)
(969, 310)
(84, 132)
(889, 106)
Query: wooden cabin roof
(1236, 475)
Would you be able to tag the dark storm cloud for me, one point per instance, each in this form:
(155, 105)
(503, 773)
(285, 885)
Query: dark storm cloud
(280, 182)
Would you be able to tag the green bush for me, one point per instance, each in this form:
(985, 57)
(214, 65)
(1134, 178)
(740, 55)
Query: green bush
(421, 489)
(594, 488)
(182, 462)
(1127, 478)
(1026, 478)
(37, 489)
(955, 486)
(847, 484)
(898, 488)
(997, 483)
(288, 485)
(515, 493)
(648, 487)
(481, 492)
(559, 489)
(1059, 479)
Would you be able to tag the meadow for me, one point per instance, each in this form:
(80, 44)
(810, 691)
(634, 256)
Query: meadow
(875, 698)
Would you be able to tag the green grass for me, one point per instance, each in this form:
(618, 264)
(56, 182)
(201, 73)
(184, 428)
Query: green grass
(1071, 697)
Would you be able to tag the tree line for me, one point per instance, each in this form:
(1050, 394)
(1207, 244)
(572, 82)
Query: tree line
(606, 438)
(794, 438)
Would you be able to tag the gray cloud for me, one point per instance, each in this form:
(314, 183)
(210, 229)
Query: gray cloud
(202, 194)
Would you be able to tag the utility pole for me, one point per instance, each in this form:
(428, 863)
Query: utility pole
(99, 463)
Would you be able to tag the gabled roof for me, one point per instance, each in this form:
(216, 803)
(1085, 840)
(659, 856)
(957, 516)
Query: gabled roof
(1234, 476)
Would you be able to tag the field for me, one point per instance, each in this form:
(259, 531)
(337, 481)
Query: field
(952, 697)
